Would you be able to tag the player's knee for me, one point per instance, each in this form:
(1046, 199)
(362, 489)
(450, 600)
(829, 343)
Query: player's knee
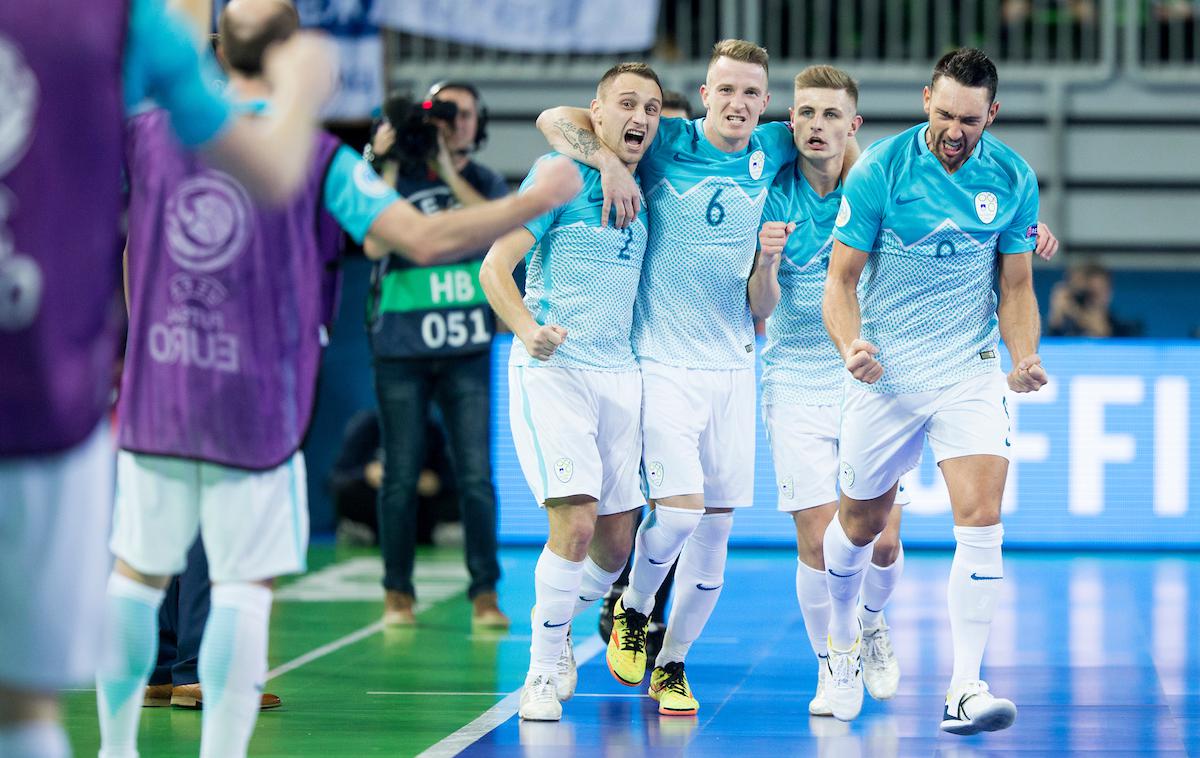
(864, 523)
(150, 580)
(978, 513)
(887, 549)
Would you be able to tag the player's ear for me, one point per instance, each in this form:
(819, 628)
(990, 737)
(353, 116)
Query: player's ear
(927, 95)
(855, 123)
(596, 114)
(993, 111)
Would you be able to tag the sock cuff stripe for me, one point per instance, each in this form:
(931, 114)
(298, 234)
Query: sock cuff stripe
(131, 589)
(980, 536)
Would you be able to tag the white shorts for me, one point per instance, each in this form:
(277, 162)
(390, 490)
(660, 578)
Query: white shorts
(698, 433)
(578, 432)
(883, 435)
(254, 523)
(804, 448)
(54, 513)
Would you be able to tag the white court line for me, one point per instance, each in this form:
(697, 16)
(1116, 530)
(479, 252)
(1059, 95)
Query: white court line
(325, 650)
(502, 711)
(496, 694)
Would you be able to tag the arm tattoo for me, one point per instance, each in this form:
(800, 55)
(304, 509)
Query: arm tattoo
(583, 140)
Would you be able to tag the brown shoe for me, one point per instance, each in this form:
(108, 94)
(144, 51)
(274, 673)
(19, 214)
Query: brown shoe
(157, 696)
(486, 613)
(188, 696)
(398, 609)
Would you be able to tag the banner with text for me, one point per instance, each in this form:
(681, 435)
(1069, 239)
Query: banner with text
(1105, 455)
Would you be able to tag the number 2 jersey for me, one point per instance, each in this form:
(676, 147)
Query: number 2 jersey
(583, 278)
(705, 207)
(927, 294)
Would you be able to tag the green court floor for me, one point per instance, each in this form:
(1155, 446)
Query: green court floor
(348, 687)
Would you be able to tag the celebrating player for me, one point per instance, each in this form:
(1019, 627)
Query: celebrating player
(574, 386)
(929, 216)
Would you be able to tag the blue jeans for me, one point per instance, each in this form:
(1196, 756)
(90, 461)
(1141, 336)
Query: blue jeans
(181, 620)
(461, 387)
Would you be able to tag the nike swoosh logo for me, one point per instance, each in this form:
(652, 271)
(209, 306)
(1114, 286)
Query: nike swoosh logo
(844, 576)
(907, 200)
(596, 197)
(658, 563)
(588, 599)
(979, 578)
(707, 589)
(548, 625)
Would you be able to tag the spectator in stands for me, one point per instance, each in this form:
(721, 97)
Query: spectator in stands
(1080, 306)
(431, 333)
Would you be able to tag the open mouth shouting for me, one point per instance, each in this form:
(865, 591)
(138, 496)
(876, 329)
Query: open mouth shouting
(634, 138)
(953, 148)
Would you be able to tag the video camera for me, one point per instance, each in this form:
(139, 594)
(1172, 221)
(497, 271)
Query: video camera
(416, 125)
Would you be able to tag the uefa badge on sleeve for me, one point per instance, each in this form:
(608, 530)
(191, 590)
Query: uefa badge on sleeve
(843, 216)
(986, 206)
(757, 161)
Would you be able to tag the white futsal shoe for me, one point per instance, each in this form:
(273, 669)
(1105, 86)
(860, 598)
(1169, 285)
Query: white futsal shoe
(971, 709)
(566, 677)
(844, 691)
(881, 670)
(539, 701)
(819, 705)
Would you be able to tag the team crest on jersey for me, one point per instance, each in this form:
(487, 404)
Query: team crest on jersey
(787, 488)
(208, 222)
(564, 469)
(986, 206)
(655, 473)
(843, 216)
(847, 475)
(757, 161)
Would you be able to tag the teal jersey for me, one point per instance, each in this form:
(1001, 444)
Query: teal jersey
(705, 207)
(927, 295)
(584, 278)
(800, 363)
(161, 63)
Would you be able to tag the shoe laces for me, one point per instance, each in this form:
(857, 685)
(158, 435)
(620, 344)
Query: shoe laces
(634, 639)
(676, 680)
(842, 669)
(542, 688)
(565, 657)
(877, 646)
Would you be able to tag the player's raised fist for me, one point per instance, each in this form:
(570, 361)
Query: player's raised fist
(1047, 243)
(772, 238)
(557, 181)
(861, 363)
(543, 341)
(1028, 375)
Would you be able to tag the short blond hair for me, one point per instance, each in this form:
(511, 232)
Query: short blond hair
(827, 77)
(739, 50)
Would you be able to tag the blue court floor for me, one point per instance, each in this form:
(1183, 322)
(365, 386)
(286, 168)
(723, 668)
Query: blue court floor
(1098, 651)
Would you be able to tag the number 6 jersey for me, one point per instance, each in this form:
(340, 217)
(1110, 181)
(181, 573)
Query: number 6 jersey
(583, 278)
(705, 207)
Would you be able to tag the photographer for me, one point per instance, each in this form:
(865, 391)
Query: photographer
(431, 332)
(1080, 306)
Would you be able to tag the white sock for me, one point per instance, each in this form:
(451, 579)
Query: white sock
(844, 566)
(595, 585)
(975, 578)
(699, 576)
(878, 585)
(813, 593)
(657, 545)
(130, 648)
(556, 583)
(233, 667)
(36, 739)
